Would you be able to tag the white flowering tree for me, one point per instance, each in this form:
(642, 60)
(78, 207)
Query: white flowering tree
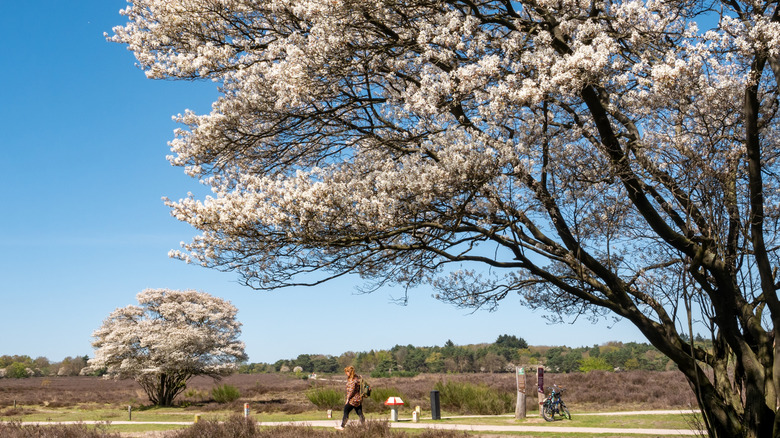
(605, 158)
(170, 337)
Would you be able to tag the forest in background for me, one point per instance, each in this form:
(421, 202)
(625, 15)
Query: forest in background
(503, 355)
(21, 366)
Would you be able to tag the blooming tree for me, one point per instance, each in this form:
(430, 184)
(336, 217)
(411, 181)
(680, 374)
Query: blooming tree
(170, 337)
(601, 157)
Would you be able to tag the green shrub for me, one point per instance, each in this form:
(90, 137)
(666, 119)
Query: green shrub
(225, 393)
(329, 398)
(326, 398)
(376, 403)
(467, 398)
(16, 370)
(196, 394)
(380, 394)
(595, 364)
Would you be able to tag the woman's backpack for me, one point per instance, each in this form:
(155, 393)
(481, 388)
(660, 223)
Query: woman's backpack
(365, 388)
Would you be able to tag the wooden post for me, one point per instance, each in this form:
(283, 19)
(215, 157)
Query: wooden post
(540, 386)
(520, 406)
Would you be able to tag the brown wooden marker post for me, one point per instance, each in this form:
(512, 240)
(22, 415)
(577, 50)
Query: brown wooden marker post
(520, 406)
(540, 386)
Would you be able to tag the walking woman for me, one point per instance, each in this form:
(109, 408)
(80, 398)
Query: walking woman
(354, 398)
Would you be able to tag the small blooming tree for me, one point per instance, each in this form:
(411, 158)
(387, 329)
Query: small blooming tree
(170, 337)
(594, 157)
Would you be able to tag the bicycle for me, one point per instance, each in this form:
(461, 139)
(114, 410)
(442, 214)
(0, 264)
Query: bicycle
(554, 405)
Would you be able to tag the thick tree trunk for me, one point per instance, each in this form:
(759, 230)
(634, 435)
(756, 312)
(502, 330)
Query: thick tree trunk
(163, 389)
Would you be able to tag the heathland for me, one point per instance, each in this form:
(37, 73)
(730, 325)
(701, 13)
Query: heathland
(287, 397)
(471, 380)
(277, 393)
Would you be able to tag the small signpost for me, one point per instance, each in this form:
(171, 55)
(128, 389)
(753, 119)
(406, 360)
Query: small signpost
(540, 386)
(520, 406)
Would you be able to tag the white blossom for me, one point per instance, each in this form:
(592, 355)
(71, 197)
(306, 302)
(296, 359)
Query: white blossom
(593, 154)
(170, 334)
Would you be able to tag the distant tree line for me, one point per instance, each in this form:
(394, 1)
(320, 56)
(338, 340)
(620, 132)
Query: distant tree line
(25, 366)
(503, 355)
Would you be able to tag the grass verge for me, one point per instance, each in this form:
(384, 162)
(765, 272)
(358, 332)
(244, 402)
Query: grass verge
(632, 421)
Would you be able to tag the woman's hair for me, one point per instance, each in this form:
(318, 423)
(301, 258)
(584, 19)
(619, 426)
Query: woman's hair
(350, 370)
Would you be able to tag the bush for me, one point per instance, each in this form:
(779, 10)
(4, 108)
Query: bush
(329, 398)
(238, 427)
(17, 370)
(376, 403)
(225, 393)
(382, 393)
(15, 430)
(594, 364)
(195, 395)
(466, 398)
(326, 398)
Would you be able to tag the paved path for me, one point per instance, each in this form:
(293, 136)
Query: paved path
(408, 424)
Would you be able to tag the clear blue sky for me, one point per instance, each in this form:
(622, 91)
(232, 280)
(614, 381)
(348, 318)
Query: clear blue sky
(83, 229)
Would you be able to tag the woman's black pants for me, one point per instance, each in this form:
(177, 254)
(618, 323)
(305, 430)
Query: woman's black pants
(347, 409)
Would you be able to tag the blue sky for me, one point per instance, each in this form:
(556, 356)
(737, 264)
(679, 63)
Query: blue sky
(83, 229)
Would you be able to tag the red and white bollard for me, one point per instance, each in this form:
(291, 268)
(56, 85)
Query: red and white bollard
(394, 402)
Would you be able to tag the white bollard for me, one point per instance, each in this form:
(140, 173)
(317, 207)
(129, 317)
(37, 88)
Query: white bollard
(394, 414)
(415, 417)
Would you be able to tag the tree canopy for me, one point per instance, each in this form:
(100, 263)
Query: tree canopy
(170, 337)
(602, 158)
